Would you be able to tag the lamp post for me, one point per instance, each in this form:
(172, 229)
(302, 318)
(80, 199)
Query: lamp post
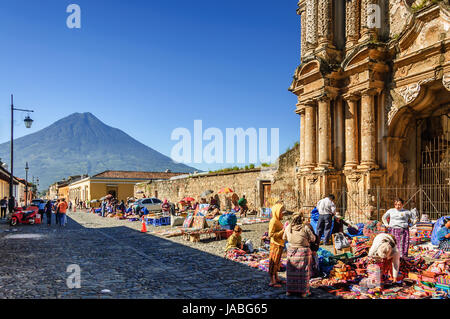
(26, 184)
(28, 121)
(37, 187)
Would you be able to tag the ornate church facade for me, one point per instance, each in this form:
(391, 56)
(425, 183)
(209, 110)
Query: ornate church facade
(373, 89)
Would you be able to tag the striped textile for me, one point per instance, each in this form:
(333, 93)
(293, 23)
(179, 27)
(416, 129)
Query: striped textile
(402, 238)
(298, 270)
(444, 245)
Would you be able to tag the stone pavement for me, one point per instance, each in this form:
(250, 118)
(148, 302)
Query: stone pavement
(120, 259)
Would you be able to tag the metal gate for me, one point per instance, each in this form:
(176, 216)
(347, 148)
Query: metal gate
(435, 166)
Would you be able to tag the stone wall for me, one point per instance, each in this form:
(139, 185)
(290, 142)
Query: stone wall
(282, 177)
(285, 183)
(241, 182)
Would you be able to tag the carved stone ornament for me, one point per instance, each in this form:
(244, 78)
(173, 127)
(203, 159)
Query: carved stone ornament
(446, 81)
(409, 93)
(354, 178)
(311, 21)
(312, 179)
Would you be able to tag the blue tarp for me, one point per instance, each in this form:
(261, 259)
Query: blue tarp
(439, 223)
(315, 219)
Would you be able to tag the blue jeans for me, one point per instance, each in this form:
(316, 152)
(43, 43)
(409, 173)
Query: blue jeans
(61, 219)
(324, 225)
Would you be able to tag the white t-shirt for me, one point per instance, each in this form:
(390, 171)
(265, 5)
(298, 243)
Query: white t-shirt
(326, 207)
(399, 218)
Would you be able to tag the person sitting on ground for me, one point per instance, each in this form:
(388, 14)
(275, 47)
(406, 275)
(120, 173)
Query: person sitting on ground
(384, 248)
(235, 240)
(443, 235)
(299, 255)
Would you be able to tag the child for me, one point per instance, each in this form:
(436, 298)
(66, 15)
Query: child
(235, 240)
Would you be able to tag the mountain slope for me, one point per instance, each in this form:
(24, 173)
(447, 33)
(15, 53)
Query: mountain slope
(82, 144)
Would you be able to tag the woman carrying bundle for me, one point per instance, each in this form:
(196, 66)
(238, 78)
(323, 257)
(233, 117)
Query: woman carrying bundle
(299, 256)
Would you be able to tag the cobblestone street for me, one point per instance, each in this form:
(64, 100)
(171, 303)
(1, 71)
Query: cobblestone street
(114, 255)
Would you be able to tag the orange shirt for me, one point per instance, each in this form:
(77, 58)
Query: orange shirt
(62, 207)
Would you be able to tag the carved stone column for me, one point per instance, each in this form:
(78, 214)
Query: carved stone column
(301, 11)
(351, 130)
(324, 132)
(352, 25)
(368, 130)
(367, 32)
(324, 21)
(310, 136)
(301, 112)
(311, 25)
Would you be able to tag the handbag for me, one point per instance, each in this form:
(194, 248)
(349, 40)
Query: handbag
(340, 241)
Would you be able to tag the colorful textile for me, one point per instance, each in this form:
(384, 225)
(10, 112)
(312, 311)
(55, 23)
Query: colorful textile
(444, 245)
(298, 270)
(402, 238)
(275, 258)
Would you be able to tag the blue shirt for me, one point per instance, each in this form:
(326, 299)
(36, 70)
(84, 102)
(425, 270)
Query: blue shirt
(442, 233)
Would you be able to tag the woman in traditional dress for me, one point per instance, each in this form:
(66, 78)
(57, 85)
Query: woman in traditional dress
(384, 247)
(299, 256)
(443, 235)
(276, 231)
(399, 222)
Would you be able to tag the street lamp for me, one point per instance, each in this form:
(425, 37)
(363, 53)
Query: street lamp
(26, 184)
(28, 121)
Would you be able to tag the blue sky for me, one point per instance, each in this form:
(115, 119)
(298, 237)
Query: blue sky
(148, 67)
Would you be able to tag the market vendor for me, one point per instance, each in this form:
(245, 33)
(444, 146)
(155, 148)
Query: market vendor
(299, 255)
(443, 235)
(399, 222)
(339, 224)
(235, 240)
(384, 247)
(276, 232)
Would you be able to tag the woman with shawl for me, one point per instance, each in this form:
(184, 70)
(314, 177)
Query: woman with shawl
(299, 256)
(276, 231)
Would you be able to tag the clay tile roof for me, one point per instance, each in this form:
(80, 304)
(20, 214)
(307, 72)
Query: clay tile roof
(136, 175)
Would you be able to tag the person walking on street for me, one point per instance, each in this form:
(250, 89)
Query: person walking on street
(48, 212)
(56, 208)
(11, 204)
(327, 209)
(399, 222)
(3, 206)
(62, 212)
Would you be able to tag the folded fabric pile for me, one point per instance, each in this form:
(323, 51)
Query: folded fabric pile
(360, 246)
(251, 221)
(374, 228)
